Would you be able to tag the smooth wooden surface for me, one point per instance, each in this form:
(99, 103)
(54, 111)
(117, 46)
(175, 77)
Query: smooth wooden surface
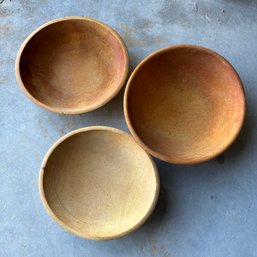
(97, 183)
(72, 65)
(184, 104)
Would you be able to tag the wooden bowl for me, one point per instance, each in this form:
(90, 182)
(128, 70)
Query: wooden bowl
(184, 104)
(98, 183)
(72, 65)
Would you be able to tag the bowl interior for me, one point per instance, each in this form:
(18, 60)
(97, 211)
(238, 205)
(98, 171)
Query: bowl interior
(73, 64)
(99, 184)
(185, 104)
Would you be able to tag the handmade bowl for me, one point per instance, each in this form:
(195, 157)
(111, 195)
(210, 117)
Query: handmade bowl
(184, 104)
(72, 65)
(98, 183)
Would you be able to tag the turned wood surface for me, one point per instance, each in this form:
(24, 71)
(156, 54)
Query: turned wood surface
(98, 183)
(72, 65)
(184, 104)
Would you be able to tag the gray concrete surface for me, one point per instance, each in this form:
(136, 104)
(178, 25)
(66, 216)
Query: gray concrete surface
(206, 210)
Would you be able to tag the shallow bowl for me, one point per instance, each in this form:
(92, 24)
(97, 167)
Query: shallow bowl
(72, 65)
(184, 104)
(98, 183)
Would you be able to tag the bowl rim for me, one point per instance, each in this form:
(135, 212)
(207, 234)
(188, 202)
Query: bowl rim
(68, 228)
(75, 110)
(159, 155)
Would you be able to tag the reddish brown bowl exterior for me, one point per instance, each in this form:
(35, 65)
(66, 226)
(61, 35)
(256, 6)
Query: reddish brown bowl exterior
(184, 104)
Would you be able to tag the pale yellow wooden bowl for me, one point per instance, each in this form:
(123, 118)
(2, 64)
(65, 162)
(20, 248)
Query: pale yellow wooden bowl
(72, 65)
(97, 183)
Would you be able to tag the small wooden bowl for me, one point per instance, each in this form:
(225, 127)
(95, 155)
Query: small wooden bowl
(72, 65)
(98, 183)
(184, 104)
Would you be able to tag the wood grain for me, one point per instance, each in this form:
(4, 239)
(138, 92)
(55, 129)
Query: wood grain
(97, 183)
(184, 104)
(72, 65)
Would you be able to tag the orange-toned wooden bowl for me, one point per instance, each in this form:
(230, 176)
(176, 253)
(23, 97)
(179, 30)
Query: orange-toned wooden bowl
(184, 104)
(98, 183)
(72, 65)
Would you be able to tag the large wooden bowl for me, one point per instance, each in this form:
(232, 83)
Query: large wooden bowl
(98, 183)
(184, 104)
(72, 65)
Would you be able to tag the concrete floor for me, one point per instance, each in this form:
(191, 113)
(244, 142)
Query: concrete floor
(207, 210)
